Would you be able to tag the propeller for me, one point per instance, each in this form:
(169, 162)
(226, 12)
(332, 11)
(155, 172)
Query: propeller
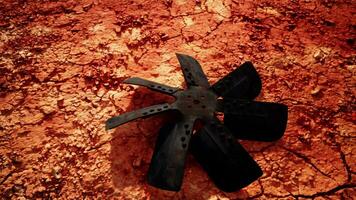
(215, 144)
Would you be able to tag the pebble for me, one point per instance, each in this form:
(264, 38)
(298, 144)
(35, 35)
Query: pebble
(137, 162)
(315, 91)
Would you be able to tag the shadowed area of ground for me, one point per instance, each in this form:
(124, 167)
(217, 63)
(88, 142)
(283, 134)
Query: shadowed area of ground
(62, 62)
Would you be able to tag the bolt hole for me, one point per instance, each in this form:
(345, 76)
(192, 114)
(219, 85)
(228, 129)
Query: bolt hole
(186, 126)
(165, 106)
(182, 139)
(184, 146)
(203, 106)
(145, 113)
(164, 89)
(152, 110)
(187, 132)
(159, 87)
(159, 109)
(195, 101)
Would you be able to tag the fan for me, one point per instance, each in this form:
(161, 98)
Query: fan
(214, 145)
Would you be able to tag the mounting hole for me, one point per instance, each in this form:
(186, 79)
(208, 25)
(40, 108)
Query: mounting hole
(170, 90)
(203, 106)
(159, 109)
(182, 139)
(164, 89)
(187, 132)
(152, 110)
(165, 106)
(159, 86)
(195, 101)
(152, 85)
(184, 146)
(144, 113)
(186, 126)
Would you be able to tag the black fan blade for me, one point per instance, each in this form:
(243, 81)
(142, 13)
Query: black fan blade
(192, 71)
(243, 83)
(227, 163)
(152, 85)
(166, 170)
(143, 112)
(251, 120)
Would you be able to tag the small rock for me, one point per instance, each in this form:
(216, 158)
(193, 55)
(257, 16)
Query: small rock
(315, 91)
(47, 109)
(351, 68)
(318, 55)
(40, 189)
(56, 172)
(47, 146)
(137, 162)
(321, 54)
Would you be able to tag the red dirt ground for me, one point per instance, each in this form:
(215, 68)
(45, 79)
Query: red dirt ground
(62, 62)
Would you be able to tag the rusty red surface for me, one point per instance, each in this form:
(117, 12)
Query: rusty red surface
(62, 62)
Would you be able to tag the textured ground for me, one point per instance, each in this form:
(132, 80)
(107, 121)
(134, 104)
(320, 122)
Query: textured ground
(62, 62)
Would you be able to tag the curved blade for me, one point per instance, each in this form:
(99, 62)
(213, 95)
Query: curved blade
(243, 83)
(261, 121)
(227, 163)
(166, 170)
(152, 85)
(129, 116)
(192, 71)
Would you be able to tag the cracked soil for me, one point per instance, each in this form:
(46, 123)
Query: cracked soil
(62, 64)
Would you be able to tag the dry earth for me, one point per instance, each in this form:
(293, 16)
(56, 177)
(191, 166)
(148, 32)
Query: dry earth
(62, 62)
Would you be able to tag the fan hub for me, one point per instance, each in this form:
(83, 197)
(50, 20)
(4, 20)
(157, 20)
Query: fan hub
(196, 101)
